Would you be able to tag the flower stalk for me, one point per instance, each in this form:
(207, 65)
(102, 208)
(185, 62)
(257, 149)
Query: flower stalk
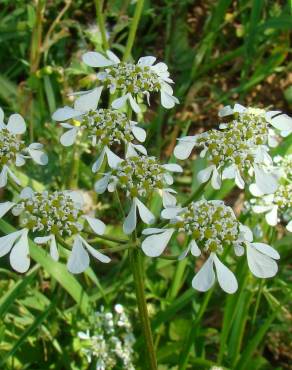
(137, 268)
(133, 29)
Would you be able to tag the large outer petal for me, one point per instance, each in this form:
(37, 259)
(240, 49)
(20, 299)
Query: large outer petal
(205, 277)
(154, 245)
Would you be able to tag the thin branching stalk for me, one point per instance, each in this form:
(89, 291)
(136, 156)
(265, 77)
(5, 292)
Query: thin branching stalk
(133, 29)
(135, 257)
(101, 23)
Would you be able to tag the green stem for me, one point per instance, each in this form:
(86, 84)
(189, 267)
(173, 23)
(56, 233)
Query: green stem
(196, 194)
(109, 238)
(101, 24)
(135, 257)
(133, 29)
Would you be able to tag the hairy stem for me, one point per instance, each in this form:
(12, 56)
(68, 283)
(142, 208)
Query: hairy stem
(135, 257)
(133, 29)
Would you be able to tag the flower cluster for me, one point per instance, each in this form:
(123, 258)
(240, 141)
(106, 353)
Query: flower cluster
(109, 342)
(105, 128)
(51, 216)
(139, 177)
(240, 149)
(13, 151)
(132, 80)
(210, 227)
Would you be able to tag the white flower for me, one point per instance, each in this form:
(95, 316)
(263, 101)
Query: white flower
(103, 127)
(51, 215)
(139, 177)
(132, 80)
(210, 226)
(284, 165)
(232, 154)
(274, 204)
(280, 121)
(13, 151)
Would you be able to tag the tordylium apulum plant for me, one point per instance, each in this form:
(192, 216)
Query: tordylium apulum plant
(239, 149)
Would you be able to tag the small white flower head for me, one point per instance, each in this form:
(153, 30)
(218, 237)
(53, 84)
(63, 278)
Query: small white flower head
(258, 121)
(13, 151)
(132, 80)
(231, 154)
(50, 216)
(210, 227)
(108, 343)
(276, 206)
(139, 177)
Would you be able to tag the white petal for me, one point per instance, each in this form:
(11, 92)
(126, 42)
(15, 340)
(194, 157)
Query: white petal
(53, 249)
(289, 226)
(11, 174)
(19, 161)
(267, 250)
(26, 193)
(247, 233)
(167, 101)
(216, 179)
(204, 175)
(7, 241)
(5, 207)
(183, 149)
(239, 250)
(272, 216)
(62, 114)
(94, 59)
(120, 102)
(134, 104)
(184, 253)
(255, 191)
(170, 212)
(19, 256)
(205, 277)
(42, 239)
(225, 111)
(79, 259)
(101, 185)
(16, 124)
(131, 220)
(38, 156)
(139, 133)
(229, 172)
(95, 253)
(267, 183)
(145, 214)
(239, 108)
(88, 101)
(168, 178)
(152, 230)
(97, 164)
(1, 116)
(97, 225)
(3, 177)
(239, 180)
(69, 137)
(77, 197)
(259, 264)
(173, 167)
(226, 278)
(147, 61)
(154, 245)
(168, 200)
(112, 57)
(195, 250)
(282, 122)
(112, 158)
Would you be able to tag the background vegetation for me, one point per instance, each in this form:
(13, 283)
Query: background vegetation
(218, 52)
